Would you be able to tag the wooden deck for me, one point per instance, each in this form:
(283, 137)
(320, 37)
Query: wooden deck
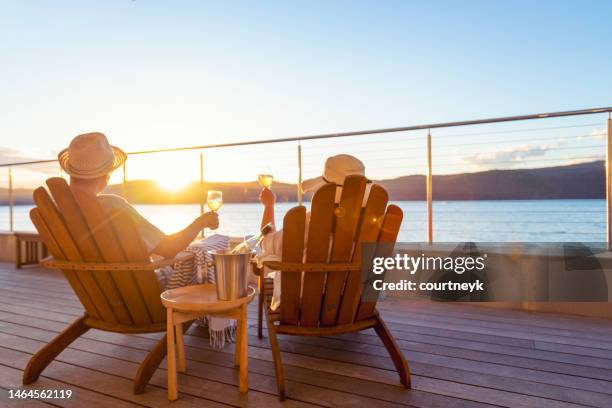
(460, 356)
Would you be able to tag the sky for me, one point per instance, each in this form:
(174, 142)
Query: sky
(157, 74)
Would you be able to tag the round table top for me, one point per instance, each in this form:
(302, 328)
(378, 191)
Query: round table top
(202, 298)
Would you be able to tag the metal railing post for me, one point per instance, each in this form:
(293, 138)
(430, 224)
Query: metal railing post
(609, 181)
(429, 192)
(124, 182)
(10, 198)
(202, 188)
(201, 183)
(299, 183)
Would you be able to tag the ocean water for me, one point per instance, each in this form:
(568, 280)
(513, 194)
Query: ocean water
(454, 221)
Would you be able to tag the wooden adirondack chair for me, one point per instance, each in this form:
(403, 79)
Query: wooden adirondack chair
(106, 263)
(321, 296)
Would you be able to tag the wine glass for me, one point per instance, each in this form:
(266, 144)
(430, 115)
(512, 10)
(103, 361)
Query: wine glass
(265, 180)
(214, 200)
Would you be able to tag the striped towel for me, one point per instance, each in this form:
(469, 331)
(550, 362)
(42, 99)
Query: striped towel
(220, 329)
(176, 276)
(197, 271)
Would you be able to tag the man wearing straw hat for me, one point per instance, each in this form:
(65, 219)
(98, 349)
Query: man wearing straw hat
(90, 160)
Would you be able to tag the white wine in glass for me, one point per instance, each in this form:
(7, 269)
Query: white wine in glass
(265, 180)
(214, 200)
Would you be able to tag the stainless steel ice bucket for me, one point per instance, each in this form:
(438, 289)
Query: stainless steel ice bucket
(231, 273)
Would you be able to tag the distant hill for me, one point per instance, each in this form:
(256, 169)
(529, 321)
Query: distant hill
(584, 180)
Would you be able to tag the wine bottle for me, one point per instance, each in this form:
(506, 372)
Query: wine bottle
(249, 245)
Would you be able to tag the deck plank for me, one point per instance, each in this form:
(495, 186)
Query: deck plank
(100, 382)
(604, 342)
(599, 368)
(108, 343)
(391, 308)
(222, 374)
(460, 355)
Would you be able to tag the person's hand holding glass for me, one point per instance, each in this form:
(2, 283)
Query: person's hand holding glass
(267, 198)
(265, 180)
(214, 200)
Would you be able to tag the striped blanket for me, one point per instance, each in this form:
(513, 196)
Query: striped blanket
(191, 273)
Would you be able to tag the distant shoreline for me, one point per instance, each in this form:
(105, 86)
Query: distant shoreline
(26, 204)
(572, 182)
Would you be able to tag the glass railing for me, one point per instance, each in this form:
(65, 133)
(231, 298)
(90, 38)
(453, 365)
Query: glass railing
(538, 177)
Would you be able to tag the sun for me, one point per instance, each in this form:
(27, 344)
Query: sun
(171, 183)
(171, 172)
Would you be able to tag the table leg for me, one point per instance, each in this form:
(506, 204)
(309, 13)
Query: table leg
(180, 348)
(244, 356)
(171, 357)
(260, 304)
(237, 348)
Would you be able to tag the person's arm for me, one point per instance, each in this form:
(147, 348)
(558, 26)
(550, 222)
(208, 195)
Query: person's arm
(172, 244)
(268, 199)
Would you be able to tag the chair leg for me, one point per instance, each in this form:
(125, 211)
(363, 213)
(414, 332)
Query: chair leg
(152, 361)
(260, 304)
(278, 364)
(401, 365)
(47, 354)
(237, 348)
(149, 365)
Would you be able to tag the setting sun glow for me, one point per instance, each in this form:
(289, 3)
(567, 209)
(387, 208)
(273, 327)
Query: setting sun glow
(172, 184)
(171, 171)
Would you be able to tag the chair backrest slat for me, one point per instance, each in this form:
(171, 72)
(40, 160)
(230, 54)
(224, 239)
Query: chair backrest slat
(347, 219)
(317, 251)
(388, 235)
(76, 228)
(56, 225)
(293, 251)
(371, 222)
(56, 250)
(119, 286)
(335, 235)
(73, 218)
(147, 287)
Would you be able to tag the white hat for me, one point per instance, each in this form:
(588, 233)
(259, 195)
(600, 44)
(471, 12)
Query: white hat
(90, 155)
(335, 171)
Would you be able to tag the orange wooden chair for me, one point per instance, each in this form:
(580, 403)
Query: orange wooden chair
(107, 265)
(321, 282)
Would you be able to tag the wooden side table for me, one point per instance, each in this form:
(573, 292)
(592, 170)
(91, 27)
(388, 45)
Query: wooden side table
(189, 303)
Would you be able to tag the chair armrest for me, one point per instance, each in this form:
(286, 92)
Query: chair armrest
(51, 263)
(312, 267)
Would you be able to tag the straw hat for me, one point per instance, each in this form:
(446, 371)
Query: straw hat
(335, 171)
(90, 156)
